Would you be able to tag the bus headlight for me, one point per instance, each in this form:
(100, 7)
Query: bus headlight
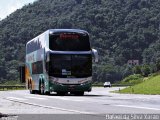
(87, 82)
(53, 80)
(89, 79)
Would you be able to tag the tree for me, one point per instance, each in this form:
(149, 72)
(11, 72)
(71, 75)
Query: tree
(137, 70)
(145, 70)
(128, 29)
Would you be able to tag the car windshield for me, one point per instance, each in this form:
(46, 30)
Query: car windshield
(107, 83)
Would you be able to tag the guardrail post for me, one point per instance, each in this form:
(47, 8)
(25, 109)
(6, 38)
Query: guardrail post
(132, 90)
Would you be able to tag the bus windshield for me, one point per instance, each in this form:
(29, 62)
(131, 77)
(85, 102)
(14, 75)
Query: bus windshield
(67, 66)
(69, 42)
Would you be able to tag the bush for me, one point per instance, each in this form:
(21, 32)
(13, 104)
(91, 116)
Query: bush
(137, 70)
(145, 70)
(133, 79)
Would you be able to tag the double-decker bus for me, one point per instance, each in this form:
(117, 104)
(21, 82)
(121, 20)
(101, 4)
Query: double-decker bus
(60, 60)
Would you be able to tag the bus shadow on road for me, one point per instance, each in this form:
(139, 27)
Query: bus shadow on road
(85, 95)
(97, 95)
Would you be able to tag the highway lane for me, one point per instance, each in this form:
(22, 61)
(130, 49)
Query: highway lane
(99, 101)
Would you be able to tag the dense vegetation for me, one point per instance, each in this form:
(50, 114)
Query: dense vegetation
(121, 30)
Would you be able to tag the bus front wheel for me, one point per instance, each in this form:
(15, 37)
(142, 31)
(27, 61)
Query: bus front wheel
(41, 88)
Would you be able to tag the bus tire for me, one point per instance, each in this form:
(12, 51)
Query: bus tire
(30, 88)
(47, 93)
(41, 87)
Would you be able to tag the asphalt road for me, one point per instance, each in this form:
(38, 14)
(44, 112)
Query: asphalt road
(95, 105)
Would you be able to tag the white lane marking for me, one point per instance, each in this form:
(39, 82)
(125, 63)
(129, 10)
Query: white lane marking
(39, 98)
(77, 100)
(62, 98)
(15, 98)
(50, 107)
(67, 99)
(138, 107)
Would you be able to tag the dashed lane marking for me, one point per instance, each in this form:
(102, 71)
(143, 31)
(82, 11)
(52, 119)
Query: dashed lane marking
(49, 107)
(157, 109)
(46, 98)
(39, 98)
(15, 98)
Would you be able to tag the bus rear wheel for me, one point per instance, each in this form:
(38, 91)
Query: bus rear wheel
(41, 88)
(30, 89)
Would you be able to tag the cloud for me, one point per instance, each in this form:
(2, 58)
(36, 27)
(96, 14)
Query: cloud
(9, 6)
(13, 6)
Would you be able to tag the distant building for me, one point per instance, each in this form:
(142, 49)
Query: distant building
(133, 62)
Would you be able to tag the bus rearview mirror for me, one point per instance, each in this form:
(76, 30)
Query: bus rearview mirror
(95, 53)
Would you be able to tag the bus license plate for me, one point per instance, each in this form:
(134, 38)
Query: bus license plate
(71, 87)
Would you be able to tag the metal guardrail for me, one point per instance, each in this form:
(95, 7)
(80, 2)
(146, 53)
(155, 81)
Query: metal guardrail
(114, 85)
(122, 85)
(16, 87)
(11, 87)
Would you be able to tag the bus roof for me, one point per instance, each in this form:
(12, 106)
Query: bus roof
(67, 30)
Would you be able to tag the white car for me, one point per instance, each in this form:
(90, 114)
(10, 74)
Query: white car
(107, 84)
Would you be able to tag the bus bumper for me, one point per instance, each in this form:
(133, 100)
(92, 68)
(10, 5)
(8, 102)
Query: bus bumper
(70, 88)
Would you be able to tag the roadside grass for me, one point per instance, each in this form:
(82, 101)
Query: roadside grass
(150, 85)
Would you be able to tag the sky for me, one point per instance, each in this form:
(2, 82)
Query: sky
(9, 6)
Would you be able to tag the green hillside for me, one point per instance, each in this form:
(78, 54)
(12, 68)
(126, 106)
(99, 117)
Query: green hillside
(121, 30)
(150, 85)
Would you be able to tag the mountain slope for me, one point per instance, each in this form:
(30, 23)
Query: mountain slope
(120, 29)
